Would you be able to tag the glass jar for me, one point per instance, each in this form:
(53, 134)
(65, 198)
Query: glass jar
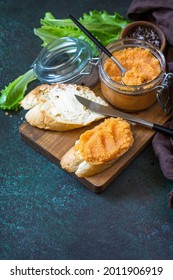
(65, 60)
(139, 97)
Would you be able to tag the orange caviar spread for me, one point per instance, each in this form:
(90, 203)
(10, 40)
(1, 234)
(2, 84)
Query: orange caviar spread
(141, 65)
(105, 142)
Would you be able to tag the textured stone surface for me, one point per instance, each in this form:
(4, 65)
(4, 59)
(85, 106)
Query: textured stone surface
(47, 214)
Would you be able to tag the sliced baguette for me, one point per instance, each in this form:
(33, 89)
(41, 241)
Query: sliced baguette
(73, 162)
(55, 107)
(99, 148)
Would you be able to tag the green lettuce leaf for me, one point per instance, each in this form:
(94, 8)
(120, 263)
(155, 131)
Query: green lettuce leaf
(12, 94)
(105, 27)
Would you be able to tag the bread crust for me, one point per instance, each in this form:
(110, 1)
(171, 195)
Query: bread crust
(55, 107)
(72, 162)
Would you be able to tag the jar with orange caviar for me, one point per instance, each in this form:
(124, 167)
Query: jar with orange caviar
(145, 80)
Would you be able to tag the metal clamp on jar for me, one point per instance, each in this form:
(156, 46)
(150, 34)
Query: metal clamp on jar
(163, 94)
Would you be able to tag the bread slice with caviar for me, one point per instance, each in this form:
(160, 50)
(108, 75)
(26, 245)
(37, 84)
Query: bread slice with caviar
(55, 107)
(98, 148)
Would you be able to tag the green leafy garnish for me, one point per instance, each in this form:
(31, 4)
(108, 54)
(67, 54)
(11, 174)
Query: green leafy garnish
(12, 94)
(105, 27)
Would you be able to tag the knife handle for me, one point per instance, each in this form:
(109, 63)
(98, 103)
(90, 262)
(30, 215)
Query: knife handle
(163, 129)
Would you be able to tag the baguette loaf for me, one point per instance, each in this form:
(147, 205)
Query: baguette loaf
(98, 148)
(55, 107)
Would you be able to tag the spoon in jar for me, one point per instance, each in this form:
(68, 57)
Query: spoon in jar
(105, 50)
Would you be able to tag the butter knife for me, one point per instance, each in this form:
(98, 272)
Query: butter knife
(110, 111)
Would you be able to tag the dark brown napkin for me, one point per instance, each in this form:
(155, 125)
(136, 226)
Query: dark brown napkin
(163, 148)
(161, 13)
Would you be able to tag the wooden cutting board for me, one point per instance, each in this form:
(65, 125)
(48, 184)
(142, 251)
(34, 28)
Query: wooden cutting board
(54, 144)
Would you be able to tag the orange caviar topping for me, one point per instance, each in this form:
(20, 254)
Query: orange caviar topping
(105, 142)
(141, 65)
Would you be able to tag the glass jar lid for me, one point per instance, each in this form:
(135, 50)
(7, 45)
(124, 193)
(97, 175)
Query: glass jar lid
(63, 60)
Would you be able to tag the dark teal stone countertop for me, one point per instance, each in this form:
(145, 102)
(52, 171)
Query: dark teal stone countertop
(44, 212)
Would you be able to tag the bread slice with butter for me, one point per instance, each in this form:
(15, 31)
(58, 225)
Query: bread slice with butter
(99, 148)
(55, 107)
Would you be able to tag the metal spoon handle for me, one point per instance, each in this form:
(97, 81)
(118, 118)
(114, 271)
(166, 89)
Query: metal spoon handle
(88, 33)
(105, 50)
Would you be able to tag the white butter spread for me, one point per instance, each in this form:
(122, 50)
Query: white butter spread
(64, 105)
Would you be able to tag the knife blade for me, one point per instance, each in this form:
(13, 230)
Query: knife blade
(112, 112)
